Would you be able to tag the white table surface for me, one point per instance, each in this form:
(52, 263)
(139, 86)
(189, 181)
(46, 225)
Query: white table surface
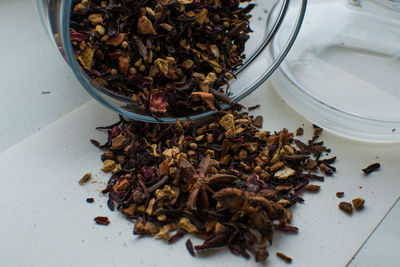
(45, 149)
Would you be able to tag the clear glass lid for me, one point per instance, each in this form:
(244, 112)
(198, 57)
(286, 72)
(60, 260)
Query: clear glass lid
(344, 71)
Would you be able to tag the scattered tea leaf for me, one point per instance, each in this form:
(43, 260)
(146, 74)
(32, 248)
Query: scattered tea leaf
(339, 194)
(371, 168)
(317, 130)
(85, 178)
(190, 248)
(102, 220)
(253, 107)
(284, 257)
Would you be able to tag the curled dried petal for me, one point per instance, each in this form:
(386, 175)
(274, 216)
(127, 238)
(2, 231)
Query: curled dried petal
(158, 102)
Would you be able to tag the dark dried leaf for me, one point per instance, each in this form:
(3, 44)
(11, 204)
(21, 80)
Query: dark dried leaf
(371, 168)
(189, 247)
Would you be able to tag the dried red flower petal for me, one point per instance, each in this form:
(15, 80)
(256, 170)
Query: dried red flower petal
(158, 102)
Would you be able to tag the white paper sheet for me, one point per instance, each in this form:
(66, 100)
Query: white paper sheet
(45, 220)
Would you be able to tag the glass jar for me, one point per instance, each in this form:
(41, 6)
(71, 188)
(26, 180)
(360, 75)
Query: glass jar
(258, 66)
(344, 72)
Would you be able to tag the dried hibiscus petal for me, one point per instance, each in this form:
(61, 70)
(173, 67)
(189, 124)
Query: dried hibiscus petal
(158, 103)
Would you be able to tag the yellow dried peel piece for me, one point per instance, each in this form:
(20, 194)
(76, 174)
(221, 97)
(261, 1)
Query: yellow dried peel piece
(86, 57)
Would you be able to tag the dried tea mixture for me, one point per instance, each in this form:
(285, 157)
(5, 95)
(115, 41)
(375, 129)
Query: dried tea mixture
(221, 179)
(170, 57)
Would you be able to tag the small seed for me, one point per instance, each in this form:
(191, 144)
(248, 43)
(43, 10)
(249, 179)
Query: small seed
(313, 188)
(284, 257)
(142, 68)
(124, 44)
(299, 131)
(132, 71)
(85, 178)
(103, 220)
(339, 194)
(193, 146)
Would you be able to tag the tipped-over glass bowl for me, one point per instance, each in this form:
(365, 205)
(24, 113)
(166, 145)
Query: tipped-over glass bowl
(268, 16)
(344, 73)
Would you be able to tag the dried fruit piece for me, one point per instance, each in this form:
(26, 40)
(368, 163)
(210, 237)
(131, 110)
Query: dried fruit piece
(313, 187)
(95, 19)
(317, 130)
(108, 165)
(206, 98)
(284, 173)
(358, 203)
(115, 41)
(118, 142)
(86, 57)
(85, 178)
(145, 26)
(186, 225)
(346, 207)
(164, 167)
(123, 65)
(227, 122)
(258, 121)
(162, 65)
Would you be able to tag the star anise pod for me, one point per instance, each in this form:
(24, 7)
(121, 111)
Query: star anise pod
(201, 185)
(261, 211)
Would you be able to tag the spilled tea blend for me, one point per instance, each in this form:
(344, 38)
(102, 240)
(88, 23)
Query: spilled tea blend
(222, 180)
(169, 57)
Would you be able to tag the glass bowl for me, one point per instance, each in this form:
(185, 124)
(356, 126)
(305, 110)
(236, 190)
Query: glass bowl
(344, 72)
(258, 66)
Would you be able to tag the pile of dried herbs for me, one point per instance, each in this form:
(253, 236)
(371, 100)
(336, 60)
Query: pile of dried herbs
(223, 180)
(170, 57)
